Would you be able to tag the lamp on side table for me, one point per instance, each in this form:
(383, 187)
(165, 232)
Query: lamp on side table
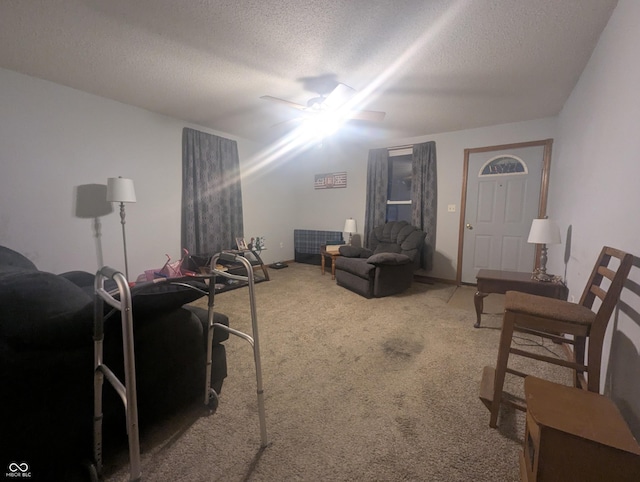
(543, 231)
(350, 227)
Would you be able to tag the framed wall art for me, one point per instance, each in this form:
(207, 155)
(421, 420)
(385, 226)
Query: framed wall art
(330, 180)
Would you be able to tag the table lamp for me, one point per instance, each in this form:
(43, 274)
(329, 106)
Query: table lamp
(120, 190)
(543, 231)
(350, 227)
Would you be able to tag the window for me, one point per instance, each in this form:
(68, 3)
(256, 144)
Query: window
(503, 165)
(211, 193)
(399, 188)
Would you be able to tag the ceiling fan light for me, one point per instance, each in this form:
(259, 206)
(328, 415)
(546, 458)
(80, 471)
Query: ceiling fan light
(340, 104)
(315, 101)
(322, 125)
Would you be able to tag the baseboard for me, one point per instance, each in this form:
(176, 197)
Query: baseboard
(431, 280)
(422, 279)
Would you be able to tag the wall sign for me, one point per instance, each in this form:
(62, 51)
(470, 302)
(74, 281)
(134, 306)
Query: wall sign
(331, 180)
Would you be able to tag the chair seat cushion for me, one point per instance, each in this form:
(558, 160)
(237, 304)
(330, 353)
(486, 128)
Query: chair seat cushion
(548, 308)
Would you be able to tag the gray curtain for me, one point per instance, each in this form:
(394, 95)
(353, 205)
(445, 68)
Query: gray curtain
(377, 186)
(211, 193)
(424, 197)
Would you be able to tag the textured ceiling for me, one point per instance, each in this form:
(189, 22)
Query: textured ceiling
(433, 65)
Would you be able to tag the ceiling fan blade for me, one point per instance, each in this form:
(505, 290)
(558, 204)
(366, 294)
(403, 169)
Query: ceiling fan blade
(285, 102)
(339, 96)
(288, 121)
(367, 115)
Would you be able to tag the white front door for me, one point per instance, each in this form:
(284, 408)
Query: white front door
(503, 189)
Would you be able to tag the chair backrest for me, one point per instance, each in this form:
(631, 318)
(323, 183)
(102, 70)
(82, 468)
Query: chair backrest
(397, 237)
(610, 295)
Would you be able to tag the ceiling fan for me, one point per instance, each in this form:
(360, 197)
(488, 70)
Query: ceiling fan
(331, 102)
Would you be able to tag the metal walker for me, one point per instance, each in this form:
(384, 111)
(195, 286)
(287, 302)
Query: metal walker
(254, 340)
(127, 390)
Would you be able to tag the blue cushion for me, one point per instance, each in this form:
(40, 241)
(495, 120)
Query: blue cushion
(43, 309)
(149, 298)
(12, 259)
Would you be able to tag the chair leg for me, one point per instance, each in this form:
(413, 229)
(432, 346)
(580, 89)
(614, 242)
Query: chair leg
(506, 336)
(594, 362)
(578, 357)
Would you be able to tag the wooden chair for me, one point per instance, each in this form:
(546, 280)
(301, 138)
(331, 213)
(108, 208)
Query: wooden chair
(553, 319)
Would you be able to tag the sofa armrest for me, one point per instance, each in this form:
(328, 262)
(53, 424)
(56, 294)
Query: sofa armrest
(80, 278)
(43, 310)
(389, 259)
(354, 252)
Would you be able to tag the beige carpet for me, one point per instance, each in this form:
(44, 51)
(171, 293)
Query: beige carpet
(355, 389)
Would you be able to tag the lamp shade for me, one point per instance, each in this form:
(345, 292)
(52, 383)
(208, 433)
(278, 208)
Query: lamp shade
(120, 190)
(544, 231)
(91, 201)
(350, 226)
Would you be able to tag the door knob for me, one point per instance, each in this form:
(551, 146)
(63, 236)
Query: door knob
(469, 226)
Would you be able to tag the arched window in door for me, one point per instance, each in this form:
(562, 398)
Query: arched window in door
(503, 165)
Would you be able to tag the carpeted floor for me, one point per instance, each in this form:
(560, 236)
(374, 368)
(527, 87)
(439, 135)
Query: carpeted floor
(355, 389)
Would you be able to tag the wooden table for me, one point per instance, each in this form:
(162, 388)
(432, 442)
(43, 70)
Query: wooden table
(573, 434)
(495, 281)
(333, 255)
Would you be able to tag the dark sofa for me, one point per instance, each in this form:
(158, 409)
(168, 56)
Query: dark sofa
(46, 364)
(386, 266)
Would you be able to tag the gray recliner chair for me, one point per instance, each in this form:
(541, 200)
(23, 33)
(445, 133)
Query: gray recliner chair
(386, 266)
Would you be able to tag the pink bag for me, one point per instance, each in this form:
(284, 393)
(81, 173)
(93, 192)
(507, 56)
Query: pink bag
(175, 269)
(169, 270)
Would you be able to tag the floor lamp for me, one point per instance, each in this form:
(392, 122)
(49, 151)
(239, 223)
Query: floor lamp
(120, 190)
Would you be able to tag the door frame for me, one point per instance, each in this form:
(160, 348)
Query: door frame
(544, 190)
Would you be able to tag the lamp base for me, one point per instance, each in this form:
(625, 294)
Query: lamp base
(538, 276)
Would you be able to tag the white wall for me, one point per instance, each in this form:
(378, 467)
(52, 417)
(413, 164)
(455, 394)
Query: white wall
(596, 172)
(53, 139)
(328, 209)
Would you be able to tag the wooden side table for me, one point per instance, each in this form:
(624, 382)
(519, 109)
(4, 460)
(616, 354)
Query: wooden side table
(331, 254)
(573, 434)
(495, 281)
